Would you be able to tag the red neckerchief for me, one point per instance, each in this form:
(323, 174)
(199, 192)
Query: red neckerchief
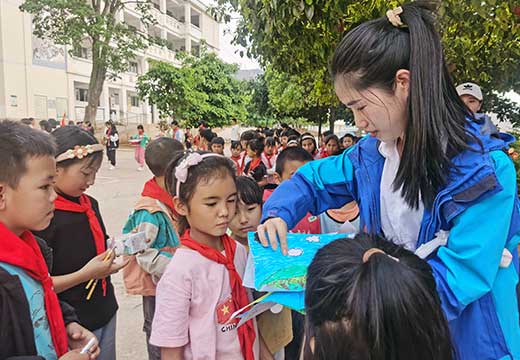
(153, 190)
(24, 252)
(269, 157)
(246, 333)
(85, 207)
(237, 159)
(254, 164)
(243, 164)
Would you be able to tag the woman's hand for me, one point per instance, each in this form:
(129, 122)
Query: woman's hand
(275, 229)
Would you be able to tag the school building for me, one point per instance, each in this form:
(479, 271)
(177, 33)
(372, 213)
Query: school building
(42, 80)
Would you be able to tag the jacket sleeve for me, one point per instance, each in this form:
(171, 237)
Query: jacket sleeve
(465, 269)
(69, 314)
(317, 186)
(152, 260)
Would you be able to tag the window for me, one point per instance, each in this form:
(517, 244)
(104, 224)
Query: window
(81, 52)
(81, 94)
(115, 99)
(134, 101)
(133, 67)
(195, 20)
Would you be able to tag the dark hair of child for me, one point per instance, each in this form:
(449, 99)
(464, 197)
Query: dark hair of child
(218, 140)
(67, 137)
(381, 306)
(293, 138)
(159, 153)
(235, 144)
(257, 145)
(331, 137)
(207, 134)
(212, 167)
(270, 141)
(140, 127)
(45, 126)
(18, 143)
(354, 138)
(326, 133)
(248, 191)
(291, 154)
(370, 56)
(248, 135)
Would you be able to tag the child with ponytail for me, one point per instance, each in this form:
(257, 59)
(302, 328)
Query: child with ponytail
(202, 285)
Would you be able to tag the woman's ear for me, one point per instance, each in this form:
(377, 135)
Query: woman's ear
(179, 206)
(402, 82)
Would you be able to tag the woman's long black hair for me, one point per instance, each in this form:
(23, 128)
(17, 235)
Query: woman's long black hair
(386, 308)
(371, 54)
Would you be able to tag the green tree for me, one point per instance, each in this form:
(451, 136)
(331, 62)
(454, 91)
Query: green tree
(113, 43)
(203, 88)
(481, 39)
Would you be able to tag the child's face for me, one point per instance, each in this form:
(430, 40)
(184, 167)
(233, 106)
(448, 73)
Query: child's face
(471, 102)
(217, 148)
(247, 219)
(308, 145)
(269, 149)
(75, 179)
(347, 142)
(210, 209)
(332, 147)
(30, 206)
(140, 131)
(284, 140)
(290, 168)
(235, 152)
(243, 143)
(250, 152)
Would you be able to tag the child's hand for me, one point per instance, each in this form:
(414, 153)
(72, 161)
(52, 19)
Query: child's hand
(78, 337)
(99, 269)
(75, 355)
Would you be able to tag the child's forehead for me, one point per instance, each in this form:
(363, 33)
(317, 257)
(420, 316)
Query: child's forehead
(42, 166)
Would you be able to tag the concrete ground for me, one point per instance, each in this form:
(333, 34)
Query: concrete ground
(117, 190)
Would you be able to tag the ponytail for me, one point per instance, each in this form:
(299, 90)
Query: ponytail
(371, 54)
(371, 299)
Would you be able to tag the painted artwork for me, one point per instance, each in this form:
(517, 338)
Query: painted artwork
(276, 272)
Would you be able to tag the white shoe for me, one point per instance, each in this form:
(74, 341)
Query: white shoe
(140, 168)
(111, 167)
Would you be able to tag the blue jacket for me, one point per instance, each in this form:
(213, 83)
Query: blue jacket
(479, 207)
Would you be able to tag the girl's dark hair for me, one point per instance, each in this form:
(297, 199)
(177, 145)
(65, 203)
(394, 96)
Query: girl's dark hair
(248, 135)
(140, 127)
(211, 168)
(371, 54)
(331, 137)
(270, 141)
(235, 144)
(257, 145)
(385, 308)
(248, 191)
(67, 137)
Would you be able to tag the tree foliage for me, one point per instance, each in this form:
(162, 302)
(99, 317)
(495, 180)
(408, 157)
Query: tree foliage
(203, 88)
(95, 23)
(481, 39)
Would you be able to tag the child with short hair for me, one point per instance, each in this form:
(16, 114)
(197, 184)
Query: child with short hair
(203, 286)
(140, 146)
(155, 215)
(217, 145)
(33, 325)
(275, 329)
(236, 156)
(78, 237)
(256, 168)
(373, 300)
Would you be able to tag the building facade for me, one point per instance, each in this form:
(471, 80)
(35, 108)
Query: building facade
(41, 80)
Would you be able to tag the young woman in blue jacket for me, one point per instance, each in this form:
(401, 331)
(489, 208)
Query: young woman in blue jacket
(427, 176)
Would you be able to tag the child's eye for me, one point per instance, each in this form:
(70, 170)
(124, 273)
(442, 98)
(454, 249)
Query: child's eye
(211, 204)
(45, 187)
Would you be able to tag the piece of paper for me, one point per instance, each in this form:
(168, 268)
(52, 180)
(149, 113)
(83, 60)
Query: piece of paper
(131, 243)
(275, 272)
(254, 312)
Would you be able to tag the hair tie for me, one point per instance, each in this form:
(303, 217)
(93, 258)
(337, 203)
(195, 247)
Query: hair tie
(79, 152)
(308, 137)
(181, 171)
(372, 251)
(394, 18)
